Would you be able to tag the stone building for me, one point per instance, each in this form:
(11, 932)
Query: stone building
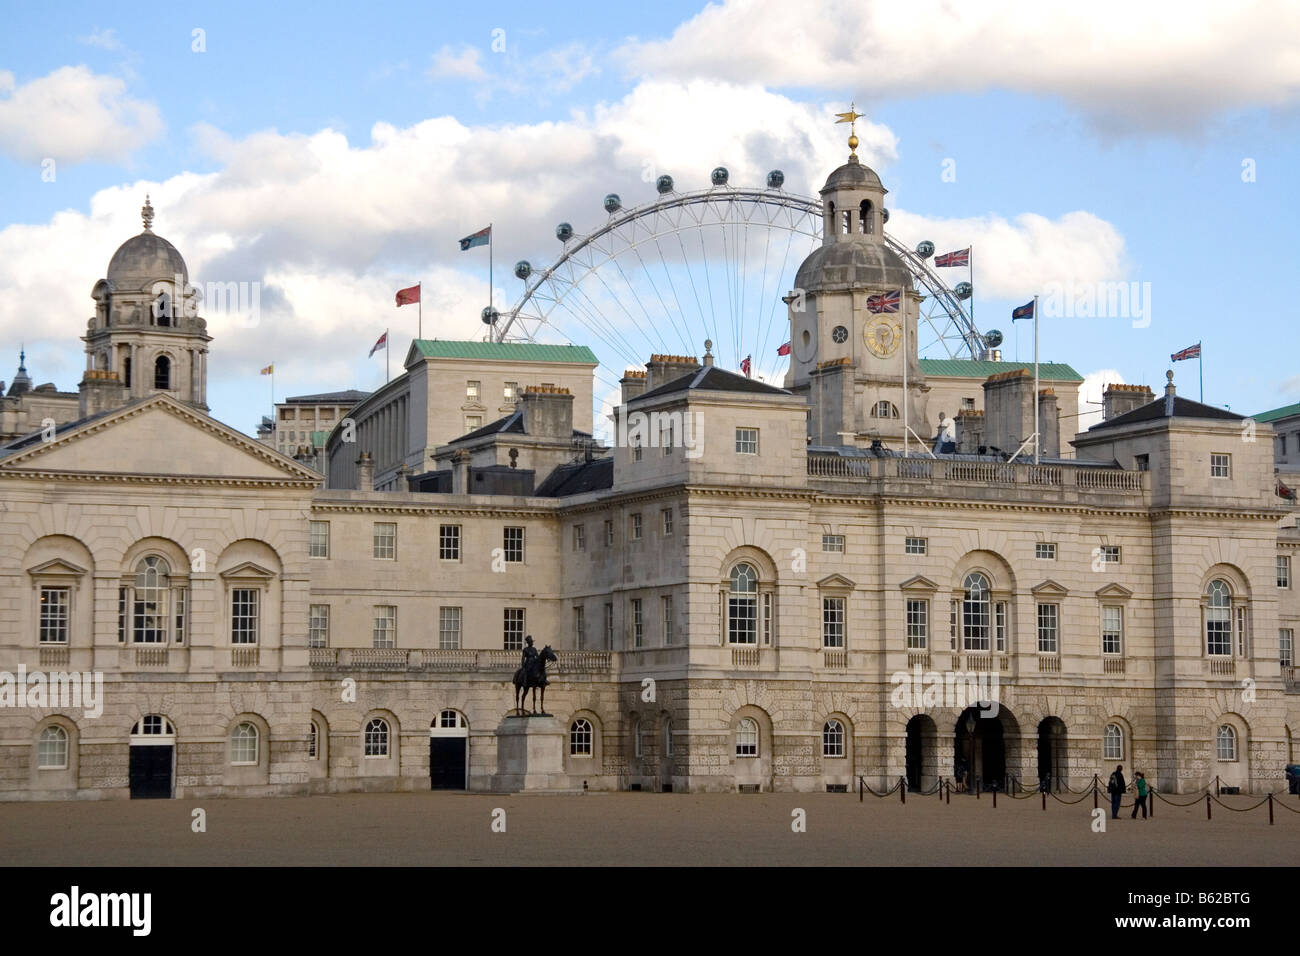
(25, 409)
(750, 587)
(302, 423)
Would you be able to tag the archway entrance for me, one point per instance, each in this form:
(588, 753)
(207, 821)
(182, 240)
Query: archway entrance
(449, 752)
(152, 763)
(922, 752)
(1052, 766)
(979, 751)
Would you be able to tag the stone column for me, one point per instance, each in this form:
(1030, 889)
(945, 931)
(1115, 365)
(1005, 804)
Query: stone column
(134, 390)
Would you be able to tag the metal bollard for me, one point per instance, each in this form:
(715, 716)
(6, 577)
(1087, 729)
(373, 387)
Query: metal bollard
(1044, 796)
(1270, 809)
(902, 790)
(1207, 807)
(995, 798)
(948, 787)
(859, 789)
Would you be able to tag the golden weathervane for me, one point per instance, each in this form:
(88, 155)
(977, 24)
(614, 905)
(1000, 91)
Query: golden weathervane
(851, 117)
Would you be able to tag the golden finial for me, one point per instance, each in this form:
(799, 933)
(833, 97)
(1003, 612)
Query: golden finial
(851, 117)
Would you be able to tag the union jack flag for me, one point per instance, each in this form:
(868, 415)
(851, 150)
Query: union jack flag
(745, 365)
(885, 302)
(959, 258)
(1192, 351)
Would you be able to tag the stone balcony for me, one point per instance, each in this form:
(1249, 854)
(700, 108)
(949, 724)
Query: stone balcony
(444, 661)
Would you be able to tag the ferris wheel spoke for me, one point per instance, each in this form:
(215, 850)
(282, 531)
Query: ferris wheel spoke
(651, 323)
(664, 305)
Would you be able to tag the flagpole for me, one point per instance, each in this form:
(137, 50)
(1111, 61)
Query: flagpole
(1037, 441)
(906, 421)
(419, 302)
(386, 351)
(489, 264)
(970, 262)
(1200, 364)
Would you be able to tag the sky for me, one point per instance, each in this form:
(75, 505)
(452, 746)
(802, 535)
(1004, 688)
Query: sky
(329, 155)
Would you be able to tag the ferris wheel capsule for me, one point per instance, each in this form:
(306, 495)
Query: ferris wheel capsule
(719, 176)
(612, 203)
(489, 315)
(925, 248)
(664, 184)
(564, 232)
(775, 179)
(523, 269)
(884, 215)
(963, 290)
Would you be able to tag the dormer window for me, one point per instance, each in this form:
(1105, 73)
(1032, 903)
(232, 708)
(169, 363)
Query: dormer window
(866, 218)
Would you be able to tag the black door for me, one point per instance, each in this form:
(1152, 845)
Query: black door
(447, 763)
(151, 771)
(914, 751)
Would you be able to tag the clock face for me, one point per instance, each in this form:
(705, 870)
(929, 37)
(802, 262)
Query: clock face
(883, 336)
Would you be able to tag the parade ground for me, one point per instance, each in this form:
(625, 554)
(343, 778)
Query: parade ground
(641, 829)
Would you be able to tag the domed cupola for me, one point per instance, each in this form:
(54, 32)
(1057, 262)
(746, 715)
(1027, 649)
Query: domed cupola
(22, 381)
(146, 259)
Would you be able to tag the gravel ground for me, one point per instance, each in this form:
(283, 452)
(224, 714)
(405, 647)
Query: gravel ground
(636, 829)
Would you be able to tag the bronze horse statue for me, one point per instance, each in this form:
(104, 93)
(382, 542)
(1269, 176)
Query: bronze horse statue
(533, 678)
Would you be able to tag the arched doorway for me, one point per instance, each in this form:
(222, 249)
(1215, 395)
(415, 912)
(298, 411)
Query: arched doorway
(1052, 765)
(152, 764)
(922, 752)
(449, 752)
(980, 750)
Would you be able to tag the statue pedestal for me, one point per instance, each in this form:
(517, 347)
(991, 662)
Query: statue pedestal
(530, 755)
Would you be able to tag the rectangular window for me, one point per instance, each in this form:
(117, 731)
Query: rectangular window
(1110, 554)
(243, 615)
(579, 537)
(636, 452)
(513, 629)
(636, 527)
(55, 603)
(580, 627)
(449, 628)
(1142, 462)
(385, 540)
(510, 392)
(513, 544)
(746, 441)
(918, 625)
(449, 542)
(667, 521)
(914, 546)
(954, 609)
(833, 543)
(385, 631)
(1045, 551)
(968, 403)
(833, 622)
(1241, 631)
(1000, 626)
(318, 625)
(179, 595)
(1048, 618)
(1112, 630)
(471, 391)
(1220, 466)
(638, 624)
(320, 539)
(666, 614)
(473, 423)
(609, 534)
(1286, 647)
(769, 617)
(742, 619)
(1283, 571)
(121, 615)
(609, 627)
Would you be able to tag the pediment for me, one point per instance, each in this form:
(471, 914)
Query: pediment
(919, 582)
(1116, 592)
(248, 571)
(1050, 587)
(57, 566)
(836, 581)
(158, 437)
(473, 407)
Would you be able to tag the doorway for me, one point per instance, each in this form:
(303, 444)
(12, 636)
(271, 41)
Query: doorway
(152, 765)
(449, 752)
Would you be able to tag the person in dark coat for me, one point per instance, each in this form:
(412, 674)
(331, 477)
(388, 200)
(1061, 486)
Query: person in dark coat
(1116, 787)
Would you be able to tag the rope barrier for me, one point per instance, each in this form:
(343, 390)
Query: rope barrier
(1237, 809)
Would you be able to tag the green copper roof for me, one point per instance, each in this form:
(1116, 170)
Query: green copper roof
(1286, 411)
(973, 368)
(505, 351)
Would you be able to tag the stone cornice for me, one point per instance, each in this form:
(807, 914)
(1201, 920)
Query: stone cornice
(414, 508)
(156, 479)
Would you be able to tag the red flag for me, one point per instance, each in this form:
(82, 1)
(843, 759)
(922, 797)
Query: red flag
(784, 350)
(381, 344)
(407, 296)
(745, 366)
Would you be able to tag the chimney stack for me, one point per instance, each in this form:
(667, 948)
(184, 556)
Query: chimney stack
(633, 383)
(1116, 400)
(365, 473)
(460, 472)
(1049, 425)
(1008, 410)
(101, 390)
(547, 412)
(662, 369)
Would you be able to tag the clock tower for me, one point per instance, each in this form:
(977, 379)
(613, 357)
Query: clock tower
(853, 316)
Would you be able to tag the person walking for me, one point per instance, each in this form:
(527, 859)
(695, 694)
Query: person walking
(1140, 784)
(1116, 787)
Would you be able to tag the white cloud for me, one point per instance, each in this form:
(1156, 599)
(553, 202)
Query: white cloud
(1094, 383)
(106, 39)
(73, 116)
(463, 65)
(1166, 65)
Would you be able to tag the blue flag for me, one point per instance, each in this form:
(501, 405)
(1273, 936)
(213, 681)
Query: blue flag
(1026, 311)
(480, 238)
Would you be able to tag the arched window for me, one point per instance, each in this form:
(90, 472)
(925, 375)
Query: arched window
(450, 720)
(1226, 743)
(636, 738)
(52, 749)
(580, 738)
(243, 744)
(313, 741)
(376, 743)
(866, 218)
(846, 222)
(747, 737)
(742, 606)
(884, 409)
(153, 725)
(830, 215)
(1112, 744)
(1218, 619)
(975, 612)
(833, 739)
(162, 373)
(152, 603)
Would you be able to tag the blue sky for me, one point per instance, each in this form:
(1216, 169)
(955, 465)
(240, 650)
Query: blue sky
(333, 154)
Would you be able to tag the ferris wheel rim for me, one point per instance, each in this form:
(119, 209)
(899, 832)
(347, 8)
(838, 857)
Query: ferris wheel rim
(922, 272)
